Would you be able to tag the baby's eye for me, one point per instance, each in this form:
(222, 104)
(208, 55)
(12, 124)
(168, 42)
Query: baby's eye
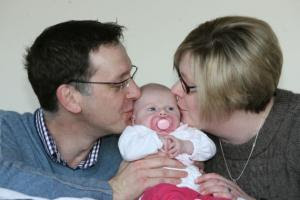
(170, 108)
(151, 109)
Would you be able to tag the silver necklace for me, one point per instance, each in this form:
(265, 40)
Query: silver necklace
(245, 165)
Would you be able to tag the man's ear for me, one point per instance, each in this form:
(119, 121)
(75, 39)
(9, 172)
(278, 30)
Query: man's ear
(69, 98)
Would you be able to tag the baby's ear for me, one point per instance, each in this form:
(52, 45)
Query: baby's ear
(133, 119)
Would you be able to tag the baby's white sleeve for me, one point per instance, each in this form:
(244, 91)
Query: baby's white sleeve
(204, 147)
(137, 142)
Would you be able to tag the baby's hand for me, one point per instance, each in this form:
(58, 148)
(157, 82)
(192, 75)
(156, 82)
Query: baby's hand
(172, 146)
(165, 144)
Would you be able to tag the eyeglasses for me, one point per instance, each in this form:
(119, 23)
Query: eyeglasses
(188, 89)
(121, 85)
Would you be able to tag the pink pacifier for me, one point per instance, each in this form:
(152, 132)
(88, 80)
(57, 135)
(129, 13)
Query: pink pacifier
(163, 124)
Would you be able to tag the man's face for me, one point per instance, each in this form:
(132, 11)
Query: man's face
(108, 109)
(155, 105)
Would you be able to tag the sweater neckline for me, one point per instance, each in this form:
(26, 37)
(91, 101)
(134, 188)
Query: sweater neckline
(267, 132)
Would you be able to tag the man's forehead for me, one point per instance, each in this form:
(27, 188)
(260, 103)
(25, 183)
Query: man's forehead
(111, 61)
(105, 55)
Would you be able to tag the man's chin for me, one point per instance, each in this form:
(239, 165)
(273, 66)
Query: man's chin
(119, 129)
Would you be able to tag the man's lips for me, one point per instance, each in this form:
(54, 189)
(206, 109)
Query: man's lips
(128, 116)
(129, 111)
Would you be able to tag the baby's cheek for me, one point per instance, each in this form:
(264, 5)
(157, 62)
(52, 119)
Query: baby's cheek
(145, 120)
(147, 123)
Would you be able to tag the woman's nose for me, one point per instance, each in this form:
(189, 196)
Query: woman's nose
(177, 89)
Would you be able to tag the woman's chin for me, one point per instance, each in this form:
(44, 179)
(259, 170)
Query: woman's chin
(187, 120)
(190, 122)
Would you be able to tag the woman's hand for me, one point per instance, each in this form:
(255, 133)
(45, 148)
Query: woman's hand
(219, 186)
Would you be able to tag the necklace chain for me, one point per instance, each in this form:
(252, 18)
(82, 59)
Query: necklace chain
(245, 165)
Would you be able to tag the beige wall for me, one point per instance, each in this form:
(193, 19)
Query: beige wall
(154, 30)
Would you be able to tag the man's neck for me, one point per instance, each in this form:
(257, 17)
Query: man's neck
(73, 139)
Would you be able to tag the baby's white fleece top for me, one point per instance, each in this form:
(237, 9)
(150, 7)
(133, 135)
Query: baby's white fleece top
(138, 141)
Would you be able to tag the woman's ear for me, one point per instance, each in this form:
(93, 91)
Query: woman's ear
(69, 98)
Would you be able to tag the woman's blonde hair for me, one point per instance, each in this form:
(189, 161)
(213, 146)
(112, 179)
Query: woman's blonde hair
(236, 63)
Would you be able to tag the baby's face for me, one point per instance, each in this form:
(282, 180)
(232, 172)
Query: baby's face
(157, 110)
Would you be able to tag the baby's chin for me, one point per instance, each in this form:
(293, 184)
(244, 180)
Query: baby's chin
(164, 132)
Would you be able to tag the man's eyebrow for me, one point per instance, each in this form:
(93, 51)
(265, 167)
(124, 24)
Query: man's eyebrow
(121, 76)
(124, 74)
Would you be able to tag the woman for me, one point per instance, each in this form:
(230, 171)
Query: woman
(229, 70)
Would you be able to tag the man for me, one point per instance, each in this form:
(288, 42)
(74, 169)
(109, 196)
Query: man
(83, 79)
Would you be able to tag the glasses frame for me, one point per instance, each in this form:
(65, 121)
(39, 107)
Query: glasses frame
(186, 88)
(120, 85)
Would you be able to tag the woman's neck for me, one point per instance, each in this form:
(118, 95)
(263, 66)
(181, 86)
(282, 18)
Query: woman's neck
(241, 126)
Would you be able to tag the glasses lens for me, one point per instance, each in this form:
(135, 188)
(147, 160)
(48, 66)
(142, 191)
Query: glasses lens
(124, 84)
(133, 71)
(184, 86)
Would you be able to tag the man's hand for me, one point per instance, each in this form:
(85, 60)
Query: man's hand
(134, 177)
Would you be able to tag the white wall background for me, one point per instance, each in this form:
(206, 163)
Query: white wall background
(154, 30)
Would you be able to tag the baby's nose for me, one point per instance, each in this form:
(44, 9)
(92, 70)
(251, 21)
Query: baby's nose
(162, 112)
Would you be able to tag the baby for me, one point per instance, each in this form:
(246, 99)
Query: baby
(156, 127)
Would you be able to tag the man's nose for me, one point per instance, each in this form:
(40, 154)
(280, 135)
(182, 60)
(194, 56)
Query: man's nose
(134, 91)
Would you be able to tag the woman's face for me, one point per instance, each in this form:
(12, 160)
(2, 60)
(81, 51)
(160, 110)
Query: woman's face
(187, 103)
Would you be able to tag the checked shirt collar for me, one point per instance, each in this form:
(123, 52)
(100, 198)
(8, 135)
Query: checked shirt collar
(50, 146)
